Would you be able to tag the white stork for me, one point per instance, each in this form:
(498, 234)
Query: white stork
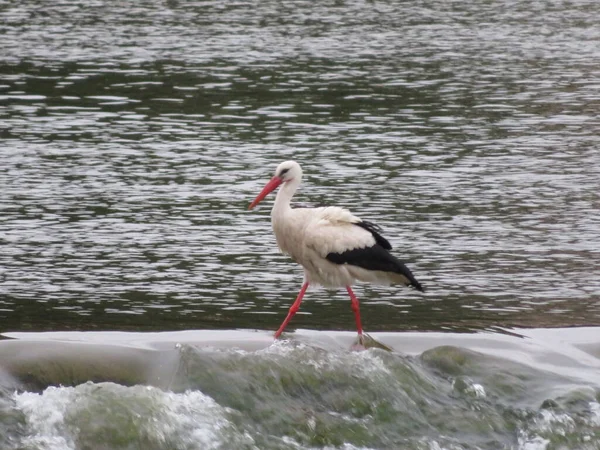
(334, 247)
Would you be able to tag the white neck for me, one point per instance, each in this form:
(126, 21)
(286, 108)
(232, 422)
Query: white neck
(284, 197)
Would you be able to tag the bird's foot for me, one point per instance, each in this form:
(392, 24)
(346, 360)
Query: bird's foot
(359, 343)
(365, 341)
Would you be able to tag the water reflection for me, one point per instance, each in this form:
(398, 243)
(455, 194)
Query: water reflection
(134, 136)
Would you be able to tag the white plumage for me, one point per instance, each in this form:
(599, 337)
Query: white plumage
(309, 235)
(334, 247)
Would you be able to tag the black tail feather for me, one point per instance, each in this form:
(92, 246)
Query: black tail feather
(408, 274)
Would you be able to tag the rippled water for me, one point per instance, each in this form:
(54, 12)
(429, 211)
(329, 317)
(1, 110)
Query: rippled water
(134, 136)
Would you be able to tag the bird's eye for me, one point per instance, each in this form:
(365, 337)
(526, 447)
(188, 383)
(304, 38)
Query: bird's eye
(283, 172)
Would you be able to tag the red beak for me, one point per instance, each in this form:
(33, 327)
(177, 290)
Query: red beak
(270, 187)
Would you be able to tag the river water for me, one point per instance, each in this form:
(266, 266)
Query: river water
(134, 135)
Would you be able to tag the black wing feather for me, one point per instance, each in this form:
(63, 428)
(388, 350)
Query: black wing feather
(375, 258)
(376, 231)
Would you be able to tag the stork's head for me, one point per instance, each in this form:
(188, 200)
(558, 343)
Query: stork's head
(286, 171)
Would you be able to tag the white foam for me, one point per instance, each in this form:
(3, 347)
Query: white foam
(471, 388)
(594, 419)
(188, 420)
(433, 445)
(550, 421)
(45, 414)
(477, 390)
(546, 421)
(533, 443)
(366, 363)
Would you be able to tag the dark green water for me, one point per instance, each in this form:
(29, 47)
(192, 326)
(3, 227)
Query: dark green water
(134, 135)
(538, 390)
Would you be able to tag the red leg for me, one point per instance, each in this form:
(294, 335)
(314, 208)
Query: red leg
(356, 309)
(293, 309)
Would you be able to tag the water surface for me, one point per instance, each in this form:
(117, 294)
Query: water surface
(134, 135)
